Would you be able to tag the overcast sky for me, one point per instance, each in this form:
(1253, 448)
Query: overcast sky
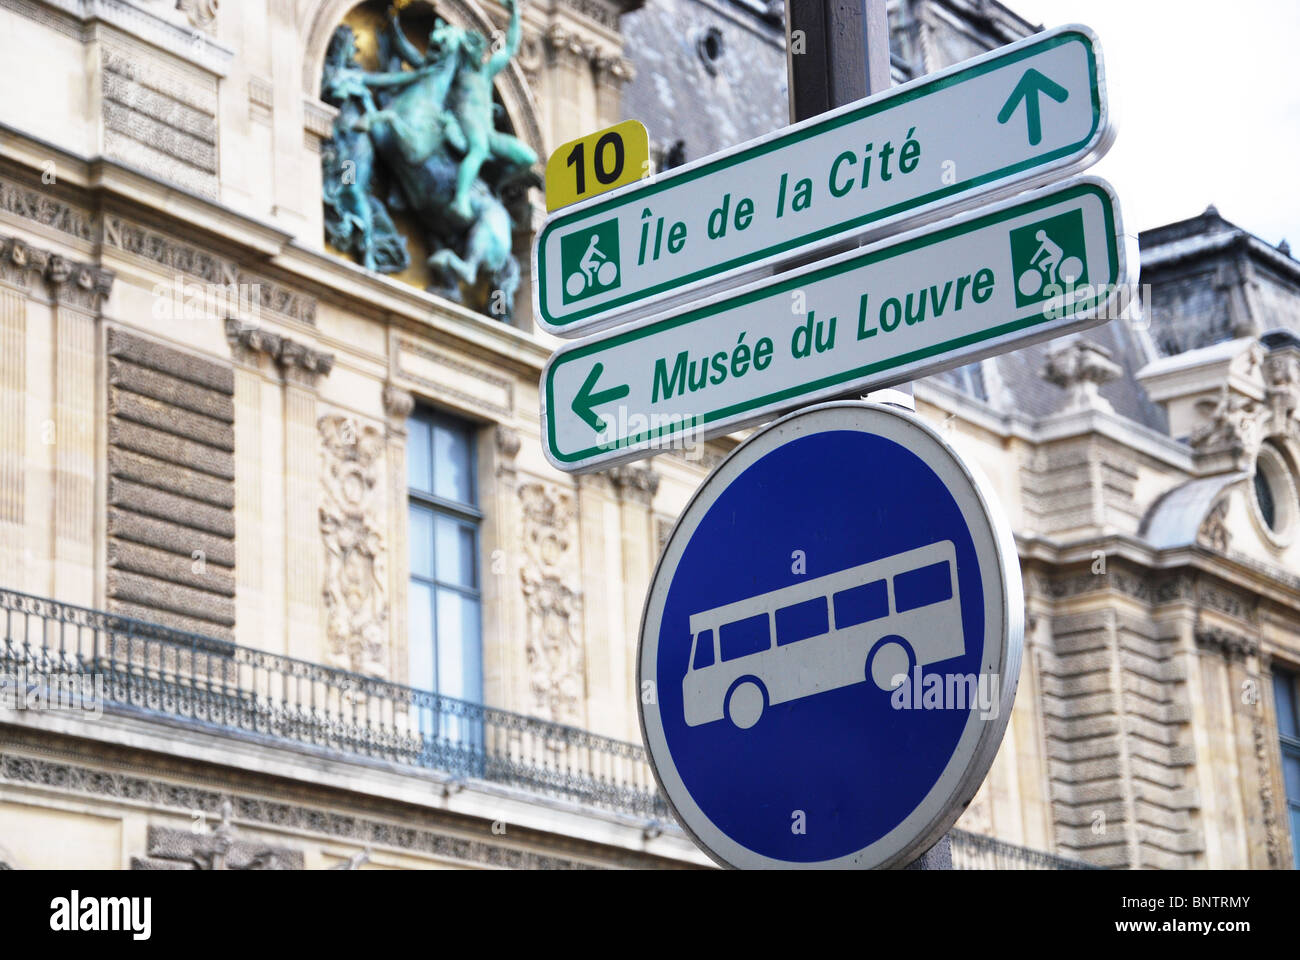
(1207, 100)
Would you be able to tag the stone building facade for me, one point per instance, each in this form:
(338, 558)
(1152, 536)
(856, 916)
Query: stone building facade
(228, 455)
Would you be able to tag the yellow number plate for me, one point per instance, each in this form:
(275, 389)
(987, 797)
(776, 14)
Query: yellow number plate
(600, 161)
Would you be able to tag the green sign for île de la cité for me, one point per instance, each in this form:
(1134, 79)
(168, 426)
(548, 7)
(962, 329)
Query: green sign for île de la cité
(1020, 117)
(1019, 271)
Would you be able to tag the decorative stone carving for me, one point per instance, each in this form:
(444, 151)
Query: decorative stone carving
(297, 360)
(1234, 425)
(356, 575)
(1214, 532)
(1230, 646)
(189, 260)
(201, 13)
(1265, 751)
(508, 444)
(1080, 367)
(637, 481)
(171, 849)
(69, 282)
(398, 402)
(74, 779)
(556, 662)
(1282, 376)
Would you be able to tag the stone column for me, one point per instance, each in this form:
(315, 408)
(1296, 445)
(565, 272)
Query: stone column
(13, 435)
(505, 667)
(304, 608)
(635, 485)
(79, 291)
(399, 404)
(254, 621)
(301, 367)
(599, 559)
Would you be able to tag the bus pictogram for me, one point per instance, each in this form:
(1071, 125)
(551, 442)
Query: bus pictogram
(875, 621)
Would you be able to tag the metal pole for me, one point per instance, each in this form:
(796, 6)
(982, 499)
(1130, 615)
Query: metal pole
(837, 52)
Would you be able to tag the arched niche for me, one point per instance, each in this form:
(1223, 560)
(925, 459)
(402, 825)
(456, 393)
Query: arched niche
(322, 16)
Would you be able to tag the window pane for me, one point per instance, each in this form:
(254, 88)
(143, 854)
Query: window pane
(801, 621)
(1295, 837)
(453, 451)
(421, 542)
(455, 548)
(1284, 693)
(420, 636)
(922, 587)
(745, 637)
(460, 669)
(1291, 773)
(417, 455)
(860, 604)
(704, 649)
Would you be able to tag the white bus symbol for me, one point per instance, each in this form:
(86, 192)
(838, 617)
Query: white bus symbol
(873, 621)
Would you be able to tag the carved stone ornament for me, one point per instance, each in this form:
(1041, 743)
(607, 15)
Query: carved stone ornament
(70, 283)
(1234, 424)
(1080, 367)
(217, 849)
(200, 13)
(356, 575)
(297, 360)
(635, 481)
(1214, 532)
(1282, 376)
(554, 626)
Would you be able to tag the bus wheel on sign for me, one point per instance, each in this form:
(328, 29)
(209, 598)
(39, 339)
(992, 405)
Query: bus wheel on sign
(889, 659)
(745, 703)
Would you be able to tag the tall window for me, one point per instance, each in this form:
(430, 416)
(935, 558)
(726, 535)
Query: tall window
(1286, 689)
(444, 604)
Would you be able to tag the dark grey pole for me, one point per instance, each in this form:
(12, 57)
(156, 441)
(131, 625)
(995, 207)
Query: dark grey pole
(837, 51)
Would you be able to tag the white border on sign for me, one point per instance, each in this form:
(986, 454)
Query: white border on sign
(1003, 621)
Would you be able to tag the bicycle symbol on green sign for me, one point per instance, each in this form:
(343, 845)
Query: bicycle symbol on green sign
(589, 261)
(1049, 258)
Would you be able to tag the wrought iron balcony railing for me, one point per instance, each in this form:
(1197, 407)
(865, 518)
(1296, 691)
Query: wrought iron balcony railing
(144, 668)
(149, 670)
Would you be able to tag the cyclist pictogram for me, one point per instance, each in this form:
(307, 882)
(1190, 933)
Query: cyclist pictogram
(1048, 258)
(589, 261)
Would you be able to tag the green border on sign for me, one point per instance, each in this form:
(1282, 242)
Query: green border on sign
(1030, 319)
(777, 143)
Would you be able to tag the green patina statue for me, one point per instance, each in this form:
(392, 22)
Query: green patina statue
(440, 157)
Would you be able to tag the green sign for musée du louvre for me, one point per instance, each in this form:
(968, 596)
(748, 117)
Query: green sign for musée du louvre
(1022, 116)
(1027, 269)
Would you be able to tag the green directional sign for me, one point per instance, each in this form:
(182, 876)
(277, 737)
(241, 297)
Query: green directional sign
(943, 295)
(1020, 117)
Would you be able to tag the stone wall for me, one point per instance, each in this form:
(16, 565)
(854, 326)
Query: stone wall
(171, 490)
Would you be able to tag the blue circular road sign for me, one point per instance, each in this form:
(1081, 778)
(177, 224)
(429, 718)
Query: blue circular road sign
(831, 644)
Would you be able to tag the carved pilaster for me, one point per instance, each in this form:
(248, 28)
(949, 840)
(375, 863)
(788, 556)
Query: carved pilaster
(554, 634)
(356, 573)
(13, 436)
(398, 404)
